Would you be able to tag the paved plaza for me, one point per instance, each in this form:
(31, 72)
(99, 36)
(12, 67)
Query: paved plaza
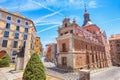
(9, 74)
(112, 73)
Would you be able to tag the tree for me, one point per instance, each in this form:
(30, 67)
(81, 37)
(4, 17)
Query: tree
(34, 69)
(5, 61)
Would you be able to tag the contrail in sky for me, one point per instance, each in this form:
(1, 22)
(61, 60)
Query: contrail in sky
(38, 3)
(47, 23)
(46, 16)
(47, 29)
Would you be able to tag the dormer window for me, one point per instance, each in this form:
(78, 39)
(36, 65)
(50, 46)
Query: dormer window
(8, 17)
(65, 24)
(26, 23)
(18, 21)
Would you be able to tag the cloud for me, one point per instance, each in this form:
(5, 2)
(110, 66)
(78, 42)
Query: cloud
(21, 5)
(92, 4)
(43, 6)
(28, 5)
(47, 29)
(59, 4)
(71, 1)
(46, 16)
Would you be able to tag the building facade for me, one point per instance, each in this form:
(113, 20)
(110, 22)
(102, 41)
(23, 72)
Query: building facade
(114, 42)
(16, 31)
(81, 47)
(38, 46)
(51, 50)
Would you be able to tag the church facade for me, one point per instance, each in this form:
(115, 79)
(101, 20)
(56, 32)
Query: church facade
(81, 47)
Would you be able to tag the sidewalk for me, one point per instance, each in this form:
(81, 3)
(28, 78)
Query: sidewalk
(101, 69)
(2, 77)
(6, 74)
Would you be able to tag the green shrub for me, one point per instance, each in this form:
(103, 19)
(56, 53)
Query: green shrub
(5, 61)
(34, 69)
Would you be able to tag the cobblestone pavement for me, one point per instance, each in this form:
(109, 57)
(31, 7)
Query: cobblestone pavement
(63, 74)
(112, 73)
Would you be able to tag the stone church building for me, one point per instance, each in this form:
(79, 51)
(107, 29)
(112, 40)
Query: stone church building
(81, 47)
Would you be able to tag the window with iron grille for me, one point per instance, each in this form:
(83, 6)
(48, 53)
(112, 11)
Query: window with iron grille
(16, 36)
(25, 37)
(15, 44)
(7, 25)
(17, 28)
(26, 30)
(14, 53)
(4, 43)
(6, 34)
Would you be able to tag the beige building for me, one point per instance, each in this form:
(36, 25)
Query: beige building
(51, 50)
(38, 46)
(16, 31)
(114, 41)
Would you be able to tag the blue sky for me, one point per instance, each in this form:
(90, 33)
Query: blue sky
(48, 14)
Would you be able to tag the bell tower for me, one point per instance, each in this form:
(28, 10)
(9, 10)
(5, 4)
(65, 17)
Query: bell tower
(86, 16)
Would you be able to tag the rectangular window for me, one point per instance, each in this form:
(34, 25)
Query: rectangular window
(25, 36)
(64, 47)
(26, 30)
(8, 26)
(64, 61)
(17, 28)
(14, 53)
(6, 34)
(4, 43)
(71, 31)
(16, 35)
(15, 44)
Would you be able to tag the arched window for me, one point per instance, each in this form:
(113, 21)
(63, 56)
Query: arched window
(66, 25)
